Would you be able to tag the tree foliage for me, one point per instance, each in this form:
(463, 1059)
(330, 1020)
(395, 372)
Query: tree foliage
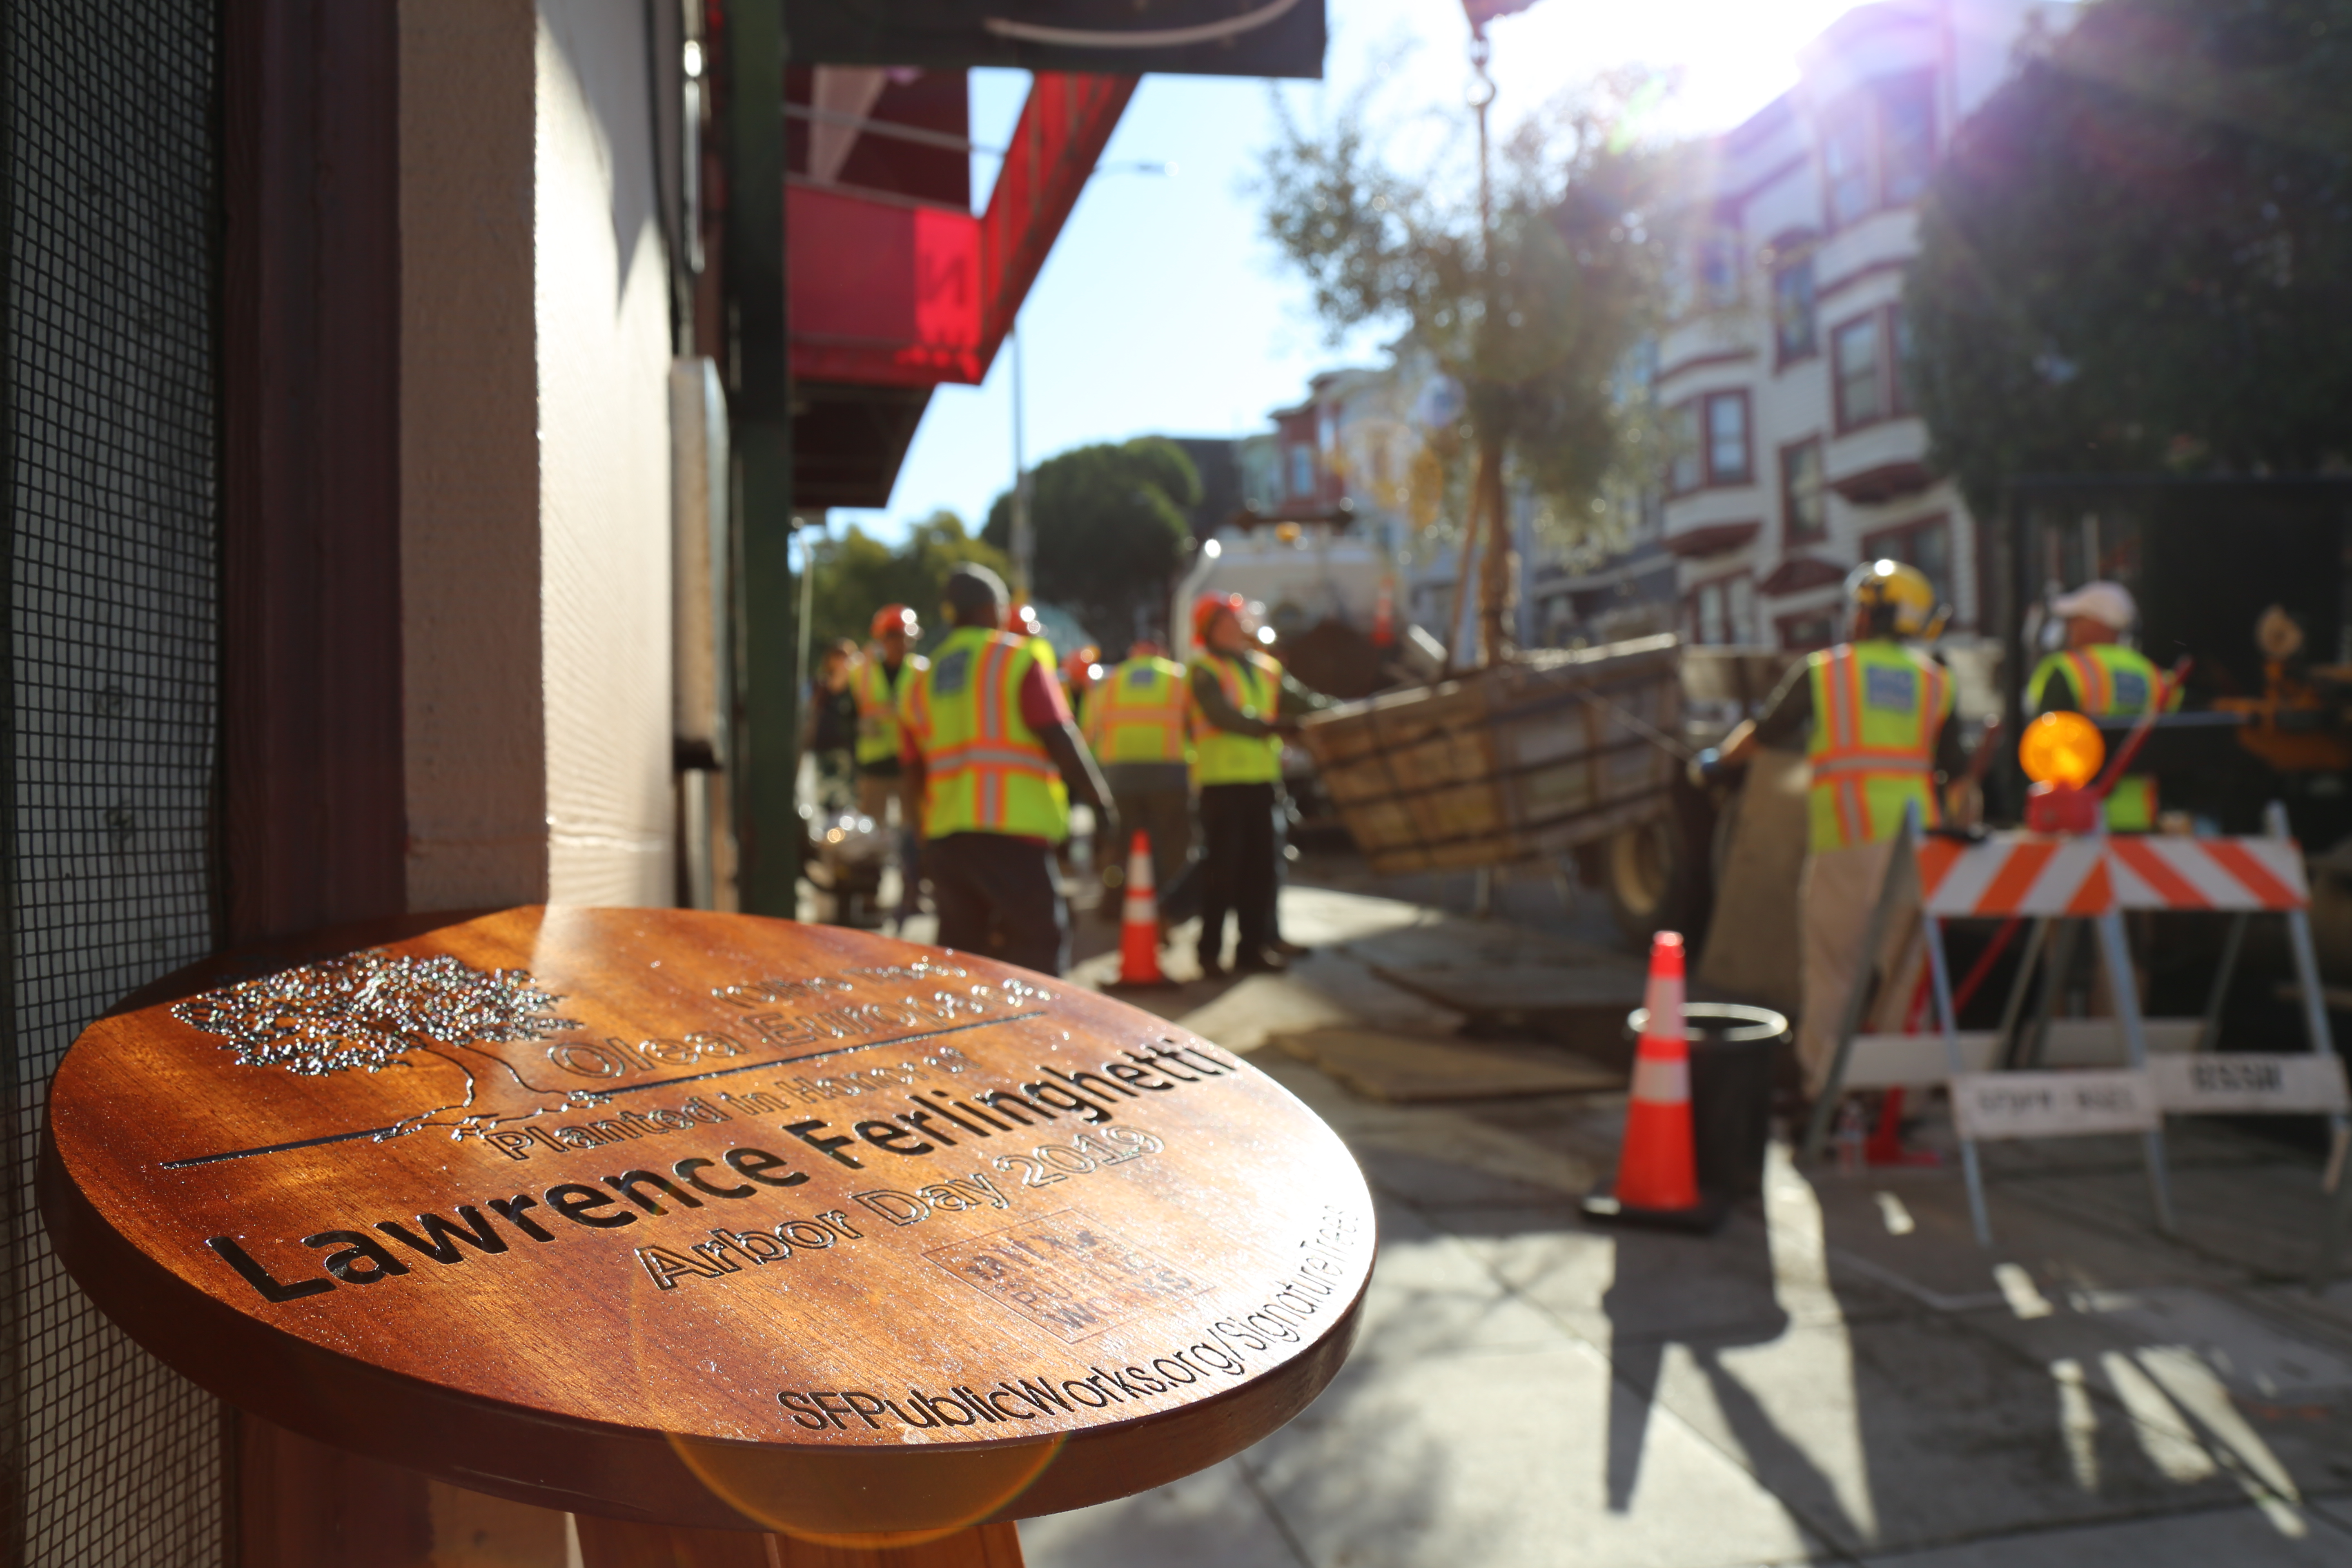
(1109, 522)
(2138, 255)
(1540, 342)
(857, 575)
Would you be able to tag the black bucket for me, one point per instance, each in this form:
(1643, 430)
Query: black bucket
(1731, 1051)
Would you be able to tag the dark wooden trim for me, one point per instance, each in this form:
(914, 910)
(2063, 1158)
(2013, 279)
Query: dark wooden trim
(1712, 539)
(1862, 274)
(1708, 478)
(304, 1498)
(1802, 575)
(1701, 362)
(313, 791)
(1887, 483)
(1873, 543)
(1843, 425)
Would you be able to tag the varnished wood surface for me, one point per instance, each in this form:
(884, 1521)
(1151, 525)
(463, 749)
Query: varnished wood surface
(1165, 1265)
(610, 1544)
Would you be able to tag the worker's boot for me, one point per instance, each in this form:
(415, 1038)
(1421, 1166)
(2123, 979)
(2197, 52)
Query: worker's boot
(1260, 960)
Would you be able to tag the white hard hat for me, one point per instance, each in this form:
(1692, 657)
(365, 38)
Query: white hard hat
(2109, 603)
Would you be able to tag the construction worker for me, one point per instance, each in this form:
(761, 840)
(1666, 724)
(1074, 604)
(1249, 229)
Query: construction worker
(1023, 622)
(829, 726)
(990, 753)
(1079, 673)
(1243, 707)
(2097, 676)
(1135, 723)
(877, 684)
(1874, 716)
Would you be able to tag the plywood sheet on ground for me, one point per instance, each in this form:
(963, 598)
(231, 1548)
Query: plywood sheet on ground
(1403, 1069)
(1479, 989)
(1751, 942)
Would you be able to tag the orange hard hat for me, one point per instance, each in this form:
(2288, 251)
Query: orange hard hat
(1080, 660)
(1024, 616)
(895, 619)
(1208, 607)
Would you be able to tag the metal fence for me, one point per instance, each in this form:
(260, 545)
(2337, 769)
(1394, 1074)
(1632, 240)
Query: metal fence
(111, 199)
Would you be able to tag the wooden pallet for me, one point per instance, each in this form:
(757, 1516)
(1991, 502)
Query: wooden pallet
(1547, 751)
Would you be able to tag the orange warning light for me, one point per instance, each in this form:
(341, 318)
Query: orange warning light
(2061, 748)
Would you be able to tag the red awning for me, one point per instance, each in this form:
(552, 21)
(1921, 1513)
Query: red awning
(882, 292)
(886, 291)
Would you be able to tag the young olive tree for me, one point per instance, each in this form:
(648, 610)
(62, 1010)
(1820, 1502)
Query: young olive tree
(1537, 311)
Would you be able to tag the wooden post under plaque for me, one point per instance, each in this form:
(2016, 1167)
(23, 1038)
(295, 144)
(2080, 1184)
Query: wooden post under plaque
(740, 1241)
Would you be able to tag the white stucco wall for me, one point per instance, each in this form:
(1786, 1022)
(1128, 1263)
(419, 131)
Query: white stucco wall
(604, 353)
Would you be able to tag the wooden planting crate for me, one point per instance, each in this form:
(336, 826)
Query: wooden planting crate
(1549, 751)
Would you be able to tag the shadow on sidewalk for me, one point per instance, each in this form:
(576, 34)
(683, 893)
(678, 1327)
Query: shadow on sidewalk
(1649, 1295)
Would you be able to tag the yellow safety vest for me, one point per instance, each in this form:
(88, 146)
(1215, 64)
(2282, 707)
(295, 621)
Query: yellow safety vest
(1137, 713)
(985, 771)
(1252, 684)
(1877, 707)
(878, 708)
(2112, 681)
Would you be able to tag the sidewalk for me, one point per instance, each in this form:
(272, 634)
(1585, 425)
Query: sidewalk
(1841, 1377)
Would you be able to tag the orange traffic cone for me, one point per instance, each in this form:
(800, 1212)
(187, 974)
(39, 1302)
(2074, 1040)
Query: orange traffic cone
(1138, 925)
(1657, 1169)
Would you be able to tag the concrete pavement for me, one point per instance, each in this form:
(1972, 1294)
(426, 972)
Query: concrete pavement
(1841, 1377)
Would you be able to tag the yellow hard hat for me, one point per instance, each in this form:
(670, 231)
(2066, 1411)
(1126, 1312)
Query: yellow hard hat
(1892, 586)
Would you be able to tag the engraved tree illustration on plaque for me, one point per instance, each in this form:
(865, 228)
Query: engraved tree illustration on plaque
(373, 1010)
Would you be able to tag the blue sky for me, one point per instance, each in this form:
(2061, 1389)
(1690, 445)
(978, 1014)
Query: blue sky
(1161, 309)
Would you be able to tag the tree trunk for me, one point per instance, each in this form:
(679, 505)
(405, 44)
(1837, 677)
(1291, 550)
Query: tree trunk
(1461, 621)
(1498, 574)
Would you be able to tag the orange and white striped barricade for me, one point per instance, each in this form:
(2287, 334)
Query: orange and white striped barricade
(2243, 878)
(2003, 875)
(2047, 879)
(2093, 878)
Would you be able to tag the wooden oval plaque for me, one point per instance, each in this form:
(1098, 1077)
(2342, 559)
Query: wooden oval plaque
(707, 1220)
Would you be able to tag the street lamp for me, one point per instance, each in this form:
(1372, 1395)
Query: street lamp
(1023, 538)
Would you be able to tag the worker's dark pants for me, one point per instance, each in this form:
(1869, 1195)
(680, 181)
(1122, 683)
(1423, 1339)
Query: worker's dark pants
(1000, 896)
(1167, 815)
(1237, 866)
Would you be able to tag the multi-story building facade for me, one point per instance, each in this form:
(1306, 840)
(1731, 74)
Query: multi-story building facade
(1350, 443)
(1798, 451)
(1351, 450)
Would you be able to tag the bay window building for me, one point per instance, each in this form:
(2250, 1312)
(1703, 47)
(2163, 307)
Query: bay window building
(1797, 451)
